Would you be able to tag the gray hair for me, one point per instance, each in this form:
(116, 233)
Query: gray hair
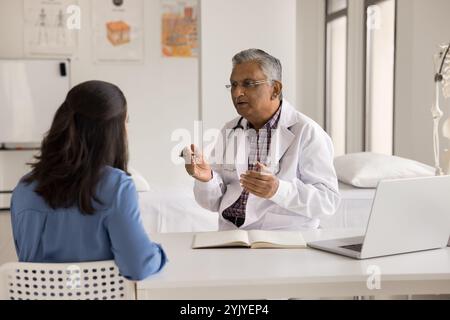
(270, 65)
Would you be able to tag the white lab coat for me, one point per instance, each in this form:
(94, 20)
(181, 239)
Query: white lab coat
(302, 159)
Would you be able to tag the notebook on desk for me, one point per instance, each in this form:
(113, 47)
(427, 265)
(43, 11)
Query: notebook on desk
(254, 239)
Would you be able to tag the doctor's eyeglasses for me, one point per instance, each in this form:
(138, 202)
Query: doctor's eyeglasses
(246, 84)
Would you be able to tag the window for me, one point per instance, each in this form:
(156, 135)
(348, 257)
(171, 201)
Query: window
(334, 6)
(372, 26)
(336, 73)
(380, 75)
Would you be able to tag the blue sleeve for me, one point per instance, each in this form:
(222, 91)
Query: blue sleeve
(134, 253)
(27, 227)
(14, 224)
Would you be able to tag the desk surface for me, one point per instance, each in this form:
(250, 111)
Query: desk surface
(284, 273)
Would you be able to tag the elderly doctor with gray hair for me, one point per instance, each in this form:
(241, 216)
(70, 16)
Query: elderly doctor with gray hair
(273, 166)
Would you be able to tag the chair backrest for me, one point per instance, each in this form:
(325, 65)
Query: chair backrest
(66, 281)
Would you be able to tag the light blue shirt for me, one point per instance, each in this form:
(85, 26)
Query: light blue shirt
(114, 232)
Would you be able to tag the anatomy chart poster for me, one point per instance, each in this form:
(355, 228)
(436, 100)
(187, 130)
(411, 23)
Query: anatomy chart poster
(51, 27)
(118, 30)
(179, 28)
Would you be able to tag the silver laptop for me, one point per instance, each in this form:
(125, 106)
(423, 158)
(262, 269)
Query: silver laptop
(407, 215)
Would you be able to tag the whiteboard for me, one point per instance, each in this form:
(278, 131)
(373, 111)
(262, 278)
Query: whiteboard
(30, 93)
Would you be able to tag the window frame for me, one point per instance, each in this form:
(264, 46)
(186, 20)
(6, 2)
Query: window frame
(330, 17)
(366, 144)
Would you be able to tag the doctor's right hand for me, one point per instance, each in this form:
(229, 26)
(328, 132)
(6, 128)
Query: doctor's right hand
(196, 165)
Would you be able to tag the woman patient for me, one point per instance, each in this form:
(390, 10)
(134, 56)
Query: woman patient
(78, 203)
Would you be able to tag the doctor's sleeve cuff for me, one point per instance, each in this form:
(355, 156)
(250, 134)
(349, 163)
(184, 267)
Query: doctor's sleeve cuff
(211, 184)
(208, 194)
(284, 188)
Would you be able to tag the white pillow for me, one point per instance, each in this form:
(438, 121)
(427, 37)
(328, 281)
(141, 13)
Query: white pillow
(366, 169)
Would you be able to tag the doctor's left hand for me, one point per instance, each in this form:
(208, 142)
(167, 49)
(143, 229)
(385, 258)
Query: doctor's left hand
(261, 183)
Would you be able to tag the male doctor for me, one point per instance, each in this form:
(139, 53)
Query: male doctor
(273, 166)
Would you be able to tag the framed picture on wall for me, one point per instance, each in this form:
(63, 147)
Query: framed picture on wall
(51, 28)
(179, 28)
(118, 30)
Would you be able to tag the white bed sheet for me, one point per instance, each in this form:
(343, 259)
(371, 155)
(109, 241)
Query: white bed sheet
(173, 209)
(354, 209)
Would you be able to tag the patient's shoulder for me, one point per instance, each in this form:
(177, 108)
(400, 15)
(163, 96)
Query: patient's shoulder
(110, 173)
(111, 183)
(24, 197)
(113, 178)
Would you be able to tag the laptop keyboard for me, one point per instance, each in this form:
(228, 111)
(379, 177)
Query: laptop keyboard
(354, 247)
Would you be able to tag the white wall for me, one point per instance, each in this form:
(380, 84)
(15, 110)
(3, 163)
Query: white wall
(234, 25)
(355, 84)
(162, 93)
(311, 58)
(162, 96)
(422, 26)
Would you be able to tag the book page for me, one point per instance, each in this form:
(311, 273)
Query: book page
(276, 239)
(233, 238)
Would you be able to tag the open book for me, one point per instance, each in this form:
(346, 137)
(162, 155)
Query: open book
(255, 239)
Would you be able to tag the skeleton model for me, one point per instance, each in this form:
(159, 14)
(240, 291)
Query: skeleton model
(441, 78)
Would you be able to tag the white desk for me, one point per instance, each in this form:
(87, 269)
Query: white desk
(279, 273)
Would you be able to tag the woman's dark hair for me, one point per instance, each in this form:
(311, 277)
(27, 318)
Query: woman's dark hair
(88, 133)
